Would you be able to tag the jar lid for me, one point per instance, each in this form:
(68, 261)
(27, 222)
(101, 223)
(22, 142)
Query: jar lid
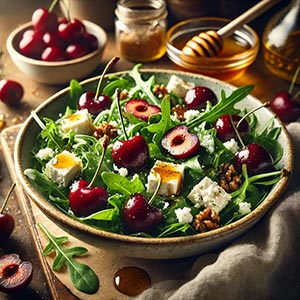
(139, 10)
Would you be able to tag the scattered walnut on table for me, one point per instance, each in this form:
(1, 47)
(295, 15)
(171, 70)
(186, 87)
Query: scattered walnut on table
(206, 220)
(230, 178)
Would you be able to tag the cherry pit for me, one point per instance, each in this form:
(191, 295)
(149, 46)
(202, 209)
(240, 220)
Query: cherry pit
(55, 39)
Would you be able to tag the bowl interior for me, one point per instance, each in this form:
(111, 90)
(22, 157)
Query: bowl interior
(57, 103)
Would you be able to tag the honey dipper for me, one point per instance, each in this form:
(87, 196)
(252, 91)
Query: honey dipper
(210, 43)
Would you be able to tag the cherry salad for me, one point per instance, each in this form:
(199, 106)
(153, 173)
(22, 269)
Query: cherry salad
(159, 159)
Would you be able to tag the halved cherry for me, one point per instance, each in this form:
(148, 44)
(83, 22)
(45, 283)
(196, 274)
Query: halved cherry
(141, 109)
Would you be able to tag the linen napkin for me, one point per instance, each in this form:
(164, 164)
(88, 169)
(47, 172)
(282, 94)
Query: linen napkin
(264, 263)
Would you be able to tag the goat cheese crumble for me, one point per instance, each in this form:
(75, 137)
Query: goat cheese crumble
(184, 215)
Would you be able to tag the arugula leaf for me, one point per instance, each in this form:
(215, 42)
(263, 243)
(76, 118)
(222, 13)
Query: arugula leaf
(82, 276)
(75, 93)
(121, 184)
(145, 86)
(224, 106)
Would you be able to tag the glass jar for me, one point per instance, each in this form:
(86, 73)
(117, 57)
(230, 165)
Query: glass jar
(140, 29)
(281, 42)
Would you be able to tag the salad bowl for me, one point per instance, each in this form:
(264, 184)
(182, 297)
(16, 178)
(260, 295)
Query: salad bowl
(149, 247)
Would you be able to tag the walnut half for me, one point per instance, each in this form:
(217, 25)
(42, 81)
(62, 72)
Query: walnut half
(206, 220)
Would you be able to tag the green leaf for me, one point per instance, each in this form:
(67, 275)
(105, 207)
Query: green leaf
(82, 276)
(75, 93)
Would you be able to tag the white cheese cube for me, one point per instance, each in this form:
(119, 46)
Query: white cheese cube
(63, 168)
(184, 215)
(80, 122)
(209, 194)
(178, 86)
(171, 176)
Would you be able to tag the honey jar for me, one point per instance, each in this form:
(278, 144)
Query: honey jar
(140, 29)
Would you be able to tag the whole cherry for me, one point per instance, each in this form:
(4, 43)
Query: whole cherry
(86, 199)
(32, 44)
(15, 274)
(139, 215)
(7, 222)
(286, 105)
(226, 127)
(53, 53)
(44, 20)
(11, 92)
(197, 97)
(71, 31)
(95, 102)
(256, 158)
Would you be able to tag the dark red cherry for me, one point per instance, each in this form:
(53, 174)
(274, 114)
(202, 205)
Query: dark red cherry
(226, 124)
(285, 107)
(141, 109)
(88, 101)
(181, 143)
(256, 158)
(85, 200)
(196, 98)
(54, 40)
(140, 216)
(132, 154)
(7, 225)
(14, 273)
(71, 32)
(11, 92)
(53, 53)
(32, 44)
(43, 20)
(76, 50)
(90, 40)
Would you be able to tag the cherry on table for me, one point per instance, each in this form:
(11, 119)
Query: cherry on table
(139, 215)
(197, 97)
(285, 107)
(15, 274)
(256, 158)
(86, 200)
(11, 92)
(181, 143)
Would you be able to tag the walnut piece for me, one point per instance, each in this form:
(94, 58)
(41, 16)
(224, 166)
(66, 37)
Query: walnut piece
(107, 129)
(206, 220)
(160, 91)
(230, 179)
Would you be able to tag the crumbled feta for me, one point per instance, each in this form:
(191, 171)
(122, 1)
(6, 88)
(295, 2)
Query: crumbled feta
(184, 215)
(170, 175)
(79, 122)
(178, 86)
(209, 194)
(63, 168)
(191, 114)
(44, 154)
(207, 141)
(231, 145)
(244, 208)
(122, 171)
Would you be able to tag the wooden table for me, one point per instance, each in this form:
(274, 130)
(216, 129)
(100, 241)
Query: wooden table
(15, 13)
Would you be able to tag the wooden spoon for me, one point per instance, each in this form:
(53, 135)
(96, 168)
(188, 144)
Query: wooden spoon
(210, 43)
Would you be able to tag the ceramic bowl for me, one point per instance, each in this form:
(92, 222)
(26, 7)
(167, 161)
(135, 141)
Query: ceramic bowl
(239, 50)
(150, 248)
(57, 72)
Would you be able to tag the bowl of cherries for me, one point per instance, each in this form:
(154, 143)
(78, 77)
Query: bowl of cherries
(154, 164)
(54, 50)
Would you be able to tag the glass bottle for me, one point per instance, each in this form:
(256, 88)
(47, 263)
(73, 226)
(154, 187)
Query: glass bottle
(140, 29)
(281, 42)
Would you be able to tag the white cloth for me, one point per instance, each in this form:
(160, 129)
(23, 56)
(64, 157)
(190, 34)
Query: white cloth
(263, 264)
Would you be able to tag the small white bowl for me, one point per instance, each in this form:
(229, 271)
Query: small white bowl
(57, 72)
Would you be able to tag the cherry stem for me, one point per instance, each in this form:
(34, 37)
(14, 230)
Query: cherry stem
(104, 147)
(235, 127)
(294, 79)
(121, 115)
(156, 191)
(7, 197)
(53, 4)
(111, 63)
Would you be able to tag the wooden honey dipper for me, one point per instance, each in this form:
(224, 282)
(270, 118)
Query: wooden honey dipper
(210, 43)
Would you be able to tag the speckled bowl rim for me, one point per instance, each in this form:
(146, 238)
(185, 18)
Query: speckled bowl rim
(230, 229)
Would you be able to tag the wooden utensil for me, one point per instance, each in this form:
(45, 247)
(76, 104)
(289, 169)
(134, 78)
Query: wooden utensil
(210, 43)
